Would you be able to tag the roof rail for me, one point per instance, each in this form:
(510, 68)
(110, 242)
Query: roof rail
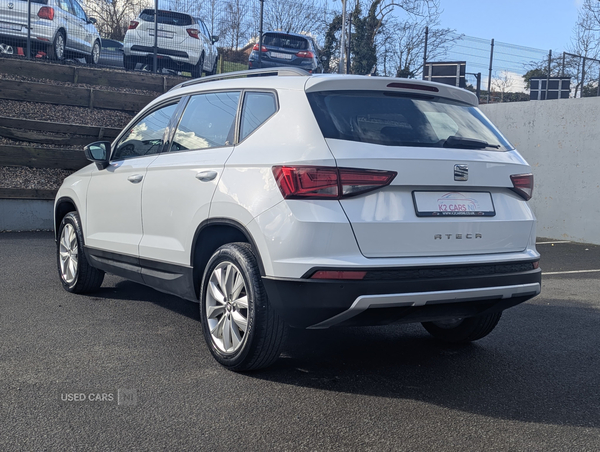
(265, 72)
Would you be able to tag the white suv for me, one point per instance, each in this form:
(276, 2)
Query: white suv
(307, 201)
(183, 43)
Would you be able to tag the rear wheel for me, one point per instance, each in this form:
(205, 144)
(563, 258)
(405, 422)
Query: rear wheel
(197, 69)
(463, 330)
(76, 274)
(129, 63)
(239, 325)
(93, 57)
(57, 50)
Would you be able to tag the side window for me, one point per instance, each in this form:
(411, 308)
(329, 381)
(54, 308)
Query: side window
(203, 28)
(208, 122)
(78, 11)
(65, 5)
(146, 137)
(258, 107)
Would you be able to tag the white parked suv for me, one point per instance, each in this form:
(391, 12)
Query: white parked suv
(183, 43)
(58, 27)
(307, 201)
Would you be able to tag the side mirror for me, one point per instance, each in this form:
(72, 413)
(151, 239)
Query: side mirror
(214, 38)
(323, 58)
(91, 20)
(99, 153)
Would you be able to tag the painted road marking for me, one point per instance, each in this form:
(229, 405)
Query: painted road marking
(570, 272)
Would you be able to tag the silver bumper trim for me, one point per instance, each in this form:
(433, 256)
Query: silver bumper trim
(365, 302)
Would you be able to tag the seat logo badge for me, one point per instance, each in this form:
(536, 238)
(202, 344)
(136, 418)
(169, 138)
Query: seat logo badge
(461, 172)
(11, 6)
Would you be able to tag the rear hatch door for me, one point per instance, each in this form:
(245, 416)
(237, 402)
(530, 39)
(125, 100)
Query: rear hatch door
(451, 196)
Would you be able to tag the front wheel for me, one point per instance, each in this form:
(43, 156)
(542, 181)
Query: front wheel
(463, 330)
(239, 325)
(94, 57)
(76, 274)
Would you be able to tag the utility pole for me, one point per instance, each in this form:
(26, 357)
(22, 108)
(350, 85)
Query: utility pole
(341, 65)
(490, 73)
(349, 44)
(260, 33)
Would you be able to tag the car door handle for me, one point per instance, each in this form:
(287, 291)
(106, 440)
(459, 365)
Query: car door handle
(135, 179)
(206, 176)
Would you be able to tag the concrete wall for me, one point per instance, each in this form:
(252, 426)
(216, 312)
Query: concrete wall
(561, 141)
(26, 215)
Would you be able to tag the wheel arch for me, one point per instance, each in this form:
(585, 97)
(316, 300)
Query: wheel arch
(212, 234)
(62, 207)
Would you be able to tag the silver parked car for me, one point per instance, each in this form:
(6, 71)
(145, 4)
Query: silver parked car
(58, 27)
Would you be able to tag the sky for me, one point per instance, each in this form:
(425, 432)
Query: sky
(542, 24)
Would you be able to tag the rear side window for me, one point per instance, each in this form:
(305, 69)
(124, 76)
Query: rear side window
(398, 119)
(208, 122)
(167, 17)
(258, 107)
(145, 137)
(285, 41)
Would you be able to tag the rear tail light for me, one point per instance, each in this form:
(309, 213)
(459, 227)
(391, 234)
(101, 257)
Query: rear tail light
(46, 12)
(523, 185)
(323, 182)
(305, 54)
(193, 33)
(335, 274)
(262, 49)
(133, 25)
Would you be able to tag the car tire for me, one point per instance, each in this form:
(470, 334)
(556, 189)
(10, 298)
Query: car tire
(93, 57)
(463, 330)
(76, 274)
(129, 63)
(214, 67)
(239, 325)
(57, 50)
(198, 67)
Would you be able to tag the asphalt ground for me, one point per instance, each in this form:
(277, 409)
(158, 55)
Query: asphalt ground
(533, 384)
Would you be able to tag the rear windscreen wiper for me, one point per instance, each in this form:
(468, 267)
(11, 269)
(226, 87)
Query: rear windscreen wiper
(468, 143)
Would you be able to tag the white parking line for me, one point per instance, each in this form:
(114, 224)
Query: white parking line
(552, 243)
(569, 272)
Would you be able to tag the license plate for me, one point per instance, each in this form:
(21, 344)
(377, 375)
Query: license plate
(453, 204)
(13, 27)
(283, 56)
(163, 34)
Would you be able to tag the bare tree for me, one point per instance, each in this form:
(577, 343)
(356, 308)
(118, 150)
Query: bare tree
(502, 83)
(113, 16)
(586, 42)
(235, 24)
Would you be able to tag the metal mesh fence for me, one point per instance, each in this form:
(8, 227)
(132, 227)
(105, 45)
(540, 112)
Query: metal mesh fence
(182, 38)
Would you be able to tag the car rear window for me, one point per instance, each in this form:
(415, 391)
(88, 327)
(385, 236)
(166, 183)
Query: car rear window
(167, 17)
(399, 119)
(285, 41)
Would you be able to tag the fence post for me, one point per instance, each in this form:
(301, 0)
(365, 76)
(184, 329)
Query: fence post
(155, 62)
(490, 73)
(28, 29)
(425, 51)
(548, 75)
(582, 76)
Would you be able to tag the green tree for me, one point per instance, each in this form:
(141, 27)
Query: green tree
(363, 48)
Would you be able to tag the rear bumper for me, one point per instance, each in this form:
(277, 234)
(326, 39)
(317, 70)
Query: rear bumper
(309, 303)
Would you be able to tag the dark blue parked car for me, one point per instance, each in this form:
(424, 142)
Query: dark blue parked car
(286, 49)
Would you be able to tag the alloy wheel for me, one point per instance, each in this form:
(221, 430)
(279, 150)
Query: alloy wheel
(68, 254)
(227, 307)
